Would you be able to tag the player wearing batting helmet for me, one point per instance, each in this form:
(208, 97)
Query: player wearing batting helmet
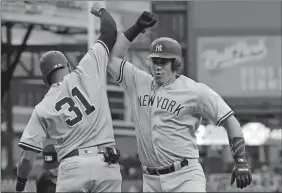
(167, 109)
(51, 62)
(166, 48)
(75, 113)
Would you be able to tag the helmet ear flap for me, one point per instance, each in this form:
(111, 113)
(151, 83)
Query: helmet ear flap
(175, 64)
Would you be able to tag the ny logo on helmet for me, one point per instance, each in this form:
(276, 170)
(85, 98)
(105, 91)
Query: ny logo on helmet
(159, 48)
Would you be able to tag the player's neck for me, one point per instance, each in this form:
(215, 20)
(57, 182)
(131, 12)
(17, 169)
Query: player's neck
(58, 76)
(170, 79)
(167, 81)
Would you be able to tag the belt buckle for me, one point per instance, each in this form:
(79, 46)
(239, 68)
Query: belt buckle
(87, 150)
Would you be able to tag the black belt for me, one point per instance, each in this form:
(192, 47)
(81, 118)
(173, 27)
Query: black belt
(75, 152)
(165, 170)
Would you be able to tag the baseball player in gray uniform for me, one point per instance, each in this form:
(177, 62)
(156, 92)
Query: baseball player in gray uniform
(75, 113)
(167, 109)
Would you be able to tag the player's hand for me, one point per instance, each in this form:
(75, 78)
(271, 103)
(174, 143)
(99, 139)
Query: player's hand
(20, 184)
(146, 20)
(242, 173)
(97, 7)
(111, 155)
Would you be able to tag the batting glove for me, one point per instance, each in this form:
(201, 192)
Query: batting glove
(20, 184)
(97, 8)
(111, 155)
(242, 173)
(146, 20)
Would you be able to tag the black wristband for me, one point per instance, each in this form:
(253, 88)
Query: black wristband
(132, 32)
(20, 184)
(237, 146)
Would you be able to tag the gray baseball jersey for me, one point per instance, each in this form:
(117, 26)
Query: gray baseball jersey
(166, 118)
(75, 112)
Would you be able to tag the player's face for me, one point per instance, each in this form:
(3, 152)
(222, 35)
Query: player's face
(162, 70)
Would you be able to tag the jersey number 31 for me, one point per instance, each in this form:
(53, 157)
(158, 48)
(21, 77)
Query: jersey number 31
(73, 108)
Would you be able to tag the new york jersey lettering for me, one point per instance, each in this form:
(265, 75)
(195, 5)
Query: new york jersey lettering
(161, 103)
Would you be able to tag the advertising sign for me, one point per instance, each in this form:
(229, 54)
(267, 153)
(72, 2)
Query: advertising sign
(247, 66)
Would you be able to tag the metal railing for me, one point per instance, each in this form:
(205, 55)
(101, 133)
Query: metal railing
(45, 12)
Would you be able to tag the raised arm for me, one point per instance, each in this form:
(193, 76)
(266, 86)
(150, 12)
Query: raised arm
(95, 62)
(144, 21)
(122, 71)
(108, 27)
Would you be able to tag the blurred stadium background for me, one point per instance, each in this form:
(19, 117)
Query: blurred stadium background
(234, 47)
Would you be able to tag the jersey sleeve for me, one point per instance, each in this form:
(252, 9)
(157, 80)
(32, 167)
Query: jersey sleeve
(126, 74)
(95, 61)
(34, 134)
(212, 106)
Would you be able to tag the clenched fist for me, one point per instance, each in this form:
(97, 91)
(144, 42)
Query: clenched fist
(97, 7)
(146, 20)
